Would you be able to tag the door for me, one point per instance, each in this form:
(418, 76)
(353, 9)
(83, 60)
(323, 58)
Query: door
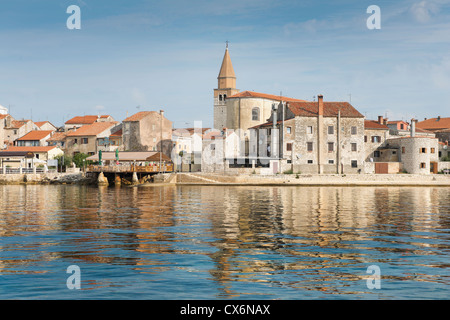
(433, 167)
(381, 167)
(275, 167)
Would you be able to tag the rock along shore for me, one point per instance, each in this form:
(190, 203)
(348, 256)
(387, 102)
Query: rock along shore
(46, 178)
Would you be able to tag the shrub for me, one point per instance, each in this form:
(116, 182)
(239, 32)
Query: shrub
(290, 171)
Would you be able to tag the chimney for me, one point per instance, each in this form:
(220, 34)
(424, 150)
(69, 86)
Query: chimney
(413, 127)
(320, 102)
(380, 119)
(385, 121)
(161, 112)
(438, 118)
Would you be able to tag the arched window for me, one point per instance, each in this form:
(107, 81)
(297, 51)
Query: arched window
(255, 114)
(220, 97)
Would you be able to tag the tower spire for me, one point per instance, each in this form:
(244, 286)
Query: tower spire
(227, 77)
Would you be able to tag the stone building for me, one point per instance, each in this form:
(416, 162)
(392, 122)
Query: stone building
(147, 131)
(35, 138)
(15, 129)
(375, 135)
(84, 139)
(418, 155)
(325, 137)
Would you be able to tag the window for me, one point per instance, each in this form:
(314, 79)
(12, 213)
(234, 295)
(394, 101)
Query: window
(255, 114)
(330, 129)
(75, 141)
(376, 139)
(365, 138)
(402, 126)
(403, 150)
(220, 97)
(288, 130)
(354, 147)
(354, 164)
(331, 161)
(376, 154)
(84, 140)
(432, 150)
(310, 161)
(289, 146)
(37, 155)
(423, 150)
(423, 165)
(330, 146)
(309, 130)
(309, 146)
(354, 130)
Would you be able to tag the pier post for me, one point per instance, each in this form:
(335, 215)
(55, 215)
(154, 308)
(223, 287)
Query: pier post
(135, 179)
(117, 180)
(102, 180)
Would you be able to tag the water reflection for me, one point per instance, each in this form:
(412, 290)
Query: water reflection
(230, 242)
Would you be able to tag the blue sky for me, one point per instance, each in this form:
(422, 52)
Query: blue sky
(131, 56)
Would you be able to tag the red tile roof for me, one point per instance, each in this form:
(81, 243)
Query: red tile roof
(58, 136)
(16, 124)
(36, 135)
(41, 123)
(330, 109)
(92, 129)
(31, 149)
(397, 121)
(139, 116)
(434, 124)
(118, 133)
(251, 94)
(372, 124)
(85, 119)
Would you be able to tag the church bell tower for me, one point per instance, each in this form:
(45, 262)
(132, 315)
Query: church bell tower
(226, 88)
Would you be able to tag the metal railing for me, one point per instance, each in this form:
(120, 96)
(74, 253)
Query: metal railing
(129, 168)
(7, 170)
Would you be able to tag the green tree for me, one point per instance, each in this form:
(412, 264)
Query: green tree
(63, 160)
(78, 159)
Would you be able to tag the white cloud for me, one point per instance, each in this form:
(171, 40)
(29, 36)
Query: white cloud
(423, 11)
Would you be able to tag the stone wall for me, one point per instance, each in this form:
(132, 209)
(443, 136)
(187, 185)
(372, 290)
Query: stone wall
(411, 153)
